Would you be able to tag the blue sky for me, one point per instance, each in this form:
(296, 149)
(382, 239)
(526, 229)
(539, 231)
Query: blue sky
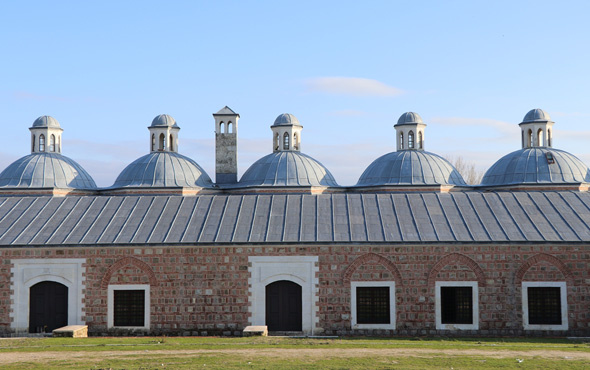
(346, 69)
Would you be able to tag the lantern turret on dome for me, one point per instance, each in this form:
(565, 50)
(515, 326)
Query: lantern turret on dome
(536, 129)
(46, 135)
(410, 132)
(164, 134)
(286, 131)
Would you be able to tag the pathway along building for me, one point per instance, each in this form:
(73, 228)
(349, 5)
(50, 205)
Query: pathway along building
(410, 250)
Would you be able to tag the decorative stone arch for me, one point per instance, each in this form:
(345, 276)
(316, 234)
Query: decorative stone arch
(374, 258)
(456, 258)
(543, 257)
(144, 267)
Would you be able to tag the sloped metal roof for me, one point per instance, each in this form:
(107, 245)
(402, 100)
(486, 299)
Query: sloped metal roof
(46, 170)
(473, 216)
(410, 167)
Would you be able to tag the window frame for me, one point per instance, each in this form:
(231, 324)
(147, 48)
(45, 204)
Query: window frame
(525, 304)
(353, 308)
(474, 301)
(111, 305)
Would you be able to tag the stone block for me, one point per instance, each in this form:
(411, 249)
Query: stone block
(255, 331)
(72, 331)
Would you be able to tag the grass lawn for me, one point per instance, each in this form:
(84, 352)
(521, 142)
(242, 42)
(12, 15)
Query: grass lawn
(300, 353)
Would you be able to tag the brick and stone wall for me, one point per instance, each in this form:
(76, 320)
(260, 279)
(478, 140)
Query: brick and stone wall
(203, 290)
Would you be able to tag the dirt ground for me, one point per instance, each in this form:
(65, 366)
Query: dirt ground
(320, 353)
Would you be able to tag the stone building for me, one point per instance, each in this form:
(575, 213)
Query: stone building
(411, 249)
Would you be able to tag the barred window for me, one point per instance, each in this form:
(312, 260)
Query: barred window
(372, 305)
(544, 305)
(129, 308)
(456, 305)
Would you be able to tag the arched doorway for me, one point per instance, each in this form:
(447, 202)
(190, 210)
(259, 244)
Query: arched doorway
(283, 306)
(48, 307)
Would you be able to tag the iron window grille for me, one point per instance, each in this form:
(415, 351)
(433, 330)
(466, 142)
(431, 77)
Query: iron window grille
(372, 305)
(456, 305)
(544, 305)
(129, 308)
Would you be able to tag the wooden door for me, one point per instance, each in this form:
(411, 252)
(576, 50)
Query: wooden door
(48, 307)
(283, 306)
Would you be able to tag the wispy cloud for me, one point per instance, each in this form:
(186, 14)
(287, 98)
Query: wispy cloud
(353, 86)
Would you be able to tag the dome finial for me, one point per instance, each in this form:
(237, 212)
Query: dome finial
(286, 132)
(536, 129)
(410, 132)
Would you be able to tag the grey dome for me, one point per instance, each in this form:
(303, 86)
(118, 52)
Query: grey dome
(410, 167)
(287, 168)
(531, 166)
(46, 121)
(409, 118)
(286, 119)
(46, 170)
(536, 115)
(163, 169)
(164, 120)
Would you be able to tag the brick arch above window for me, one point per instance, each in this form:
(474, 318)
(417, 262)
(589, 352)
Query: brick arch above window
(372, 258)
(456, 259)
(543, 257)
(144, 267)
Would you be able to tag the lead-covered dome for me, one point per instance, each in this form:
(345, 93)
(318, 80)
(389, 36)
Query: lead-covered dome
(163, 120)
(46, 170)
(409, 118)
(286, 119)
(536, 115)
(538, 165)
(410, 167)
(287, 168)
(163, 169)
(46, 121)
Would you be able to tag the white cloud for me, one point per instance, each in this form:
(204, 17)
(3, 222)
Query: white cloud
(351, 86)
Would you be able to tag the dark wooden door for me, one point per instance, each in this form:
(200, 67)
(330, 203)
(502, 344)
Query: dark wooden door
(48, 307)
(283, 306)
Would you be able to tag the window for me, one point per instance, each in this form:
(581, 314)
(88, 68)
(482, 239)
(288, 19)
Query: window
(41, 143)
(411, 140)
(33, 144)
(530, 135)
(401, 140)
(544, 305)
(373, 304)
(456, 305)
(295, 141)
(221, 127)
(153, 142)
(277, 141)
(52, 143)
(540, 137)
(548, 137)
(162, 142)
(129, 306)
(286, 141)
(171, 144)
(420, 146)
(230, 128)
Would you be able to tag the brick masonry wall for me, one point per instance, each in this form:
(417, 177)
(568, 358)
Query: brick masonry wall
(204, 290)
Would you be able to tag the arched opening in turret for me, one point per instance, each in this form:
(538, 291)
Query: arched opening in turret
(171, 143)
(420, 141)
(153, 146)
(276, 146)
(540, 138)
(530, 138)
(295, 142)
(41, 143)
(549, 138)
(162, 142)
(33, 144)
(230, 127)
(221, 127)
(59, 144)
(52, 143)
(401, 140)
(411, 140)
(286, 141)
